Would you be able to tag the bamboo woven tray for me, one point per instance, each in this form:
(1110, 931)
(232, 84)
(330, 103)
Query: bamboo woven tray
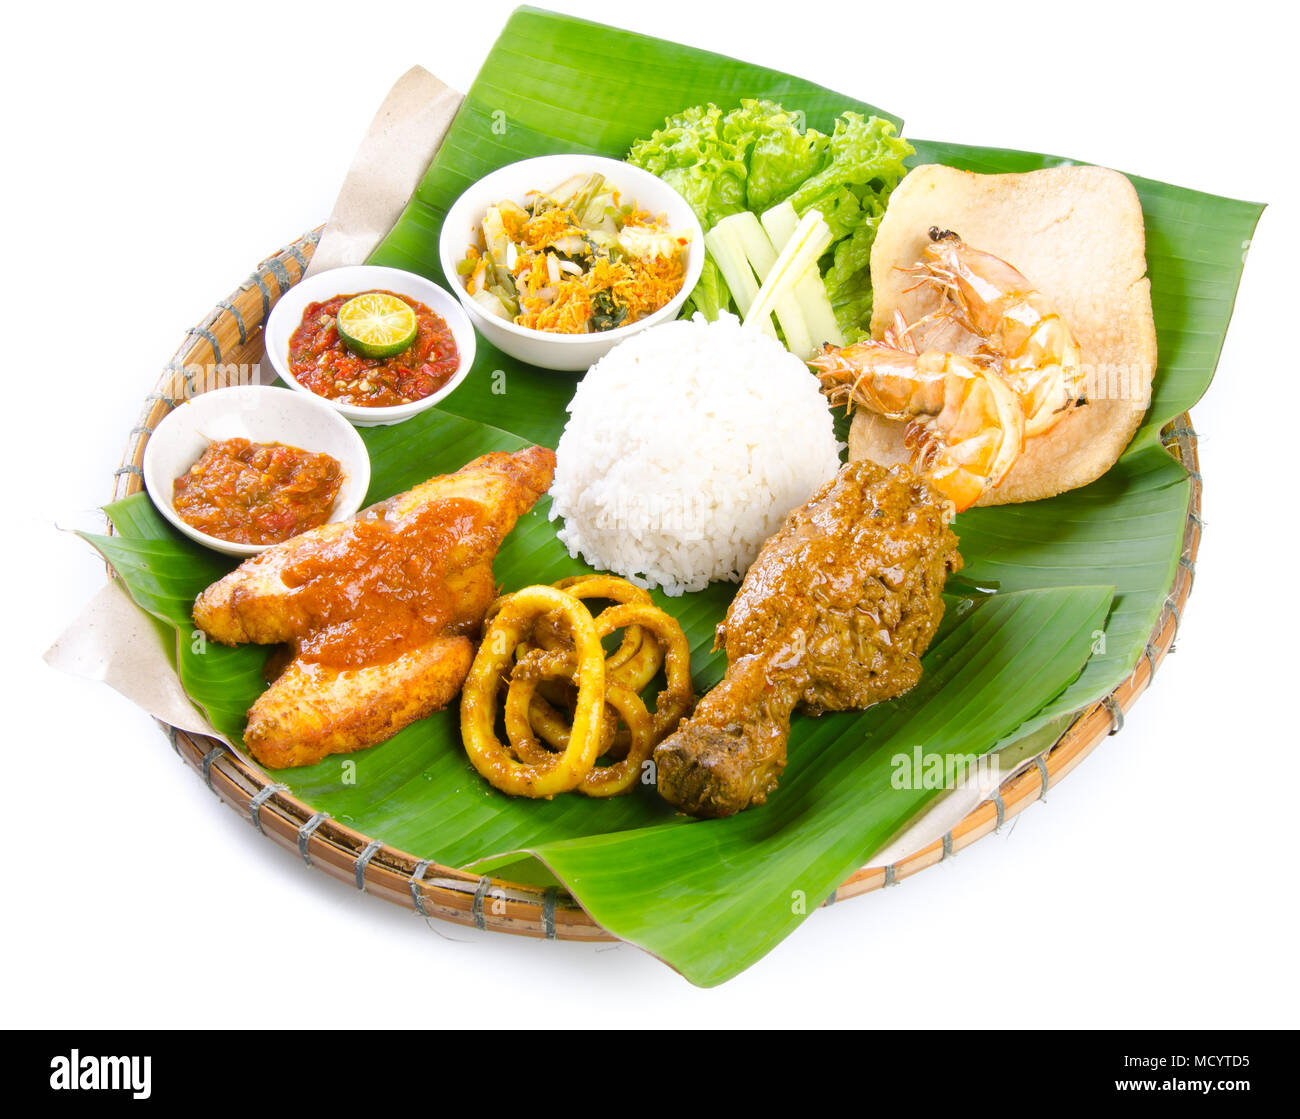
(231, 335)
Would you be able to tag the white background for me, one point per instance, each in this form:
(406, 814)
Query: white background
(154, 154)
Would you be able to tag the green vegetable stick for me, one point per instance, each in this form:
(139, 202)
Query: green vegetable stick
(810, 240)
(754, 241)
(761, 253)
(729, 255)
(780, 222)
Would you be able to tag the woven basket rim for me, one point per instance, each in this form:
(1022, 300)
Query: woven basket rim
(233, 329)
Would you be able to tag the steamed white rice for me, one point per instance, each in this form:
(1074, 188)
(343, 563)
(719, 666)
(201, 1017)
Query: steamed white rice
(686, 446)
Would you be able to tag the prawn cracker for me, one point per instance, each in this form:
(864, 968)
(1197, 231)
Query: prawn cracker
(1077, 235)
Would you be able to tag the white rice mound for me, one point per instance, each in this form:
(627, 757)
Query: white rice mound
(686, 447)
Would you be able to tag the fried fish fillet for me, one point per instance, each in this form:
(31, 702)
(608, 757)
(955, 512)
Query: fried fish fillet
(313, 710)
(378, 611)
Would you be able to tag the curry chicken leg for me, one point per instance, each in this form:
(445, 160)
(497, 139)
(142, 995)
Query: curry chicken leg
(834, 614)
(378, 612)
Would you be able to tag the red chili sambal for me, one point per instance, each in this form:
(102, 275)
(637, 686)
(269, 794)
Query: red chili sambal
(383, 584)
(321, 362)
(257, 493)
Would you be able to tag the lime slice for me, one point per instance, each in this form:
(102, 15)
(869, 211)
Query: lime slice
(377, 325)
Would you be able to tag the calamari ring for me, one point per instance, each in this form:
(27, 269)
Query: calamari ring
(645, 662)
(672, 704)
(632, 665)
(478, 703)
(611, 780)
(523, 725)
(614, 589)
(529, 670)
(549, 724)
(600, 781)
(545, 720)
(603, 586)
(675, 701)
(636, 671)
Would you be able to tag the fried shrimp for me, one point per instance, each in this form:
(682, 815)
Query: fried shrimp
(969, 416)
(1022, 330)
(966, 426)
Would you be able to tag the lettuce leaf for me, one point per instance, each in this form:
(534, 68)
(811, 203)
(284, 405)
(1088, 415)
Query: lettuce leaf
(848, 279)
(865, 164)
(710, 296)
(760, 154)
(692, 155)
(779, 154)
(863, 153)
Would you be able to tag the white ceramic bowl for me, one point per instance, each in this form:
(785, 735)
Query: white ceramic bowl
(286, 315)
(262, 414)
(566, 352)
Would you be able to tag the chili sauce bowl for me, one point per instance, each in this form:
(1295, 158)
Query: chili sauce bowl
(260, 414)
(563, 352)
(286, 316)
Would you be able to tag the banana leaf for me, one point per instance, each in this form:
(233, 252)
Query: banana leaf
(711, 897)
(708, 897)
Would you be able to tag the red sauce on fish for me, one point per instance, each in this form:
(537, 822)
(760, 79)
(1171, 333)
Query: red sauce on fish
(380, 586)
(257, 493)
(321, 362)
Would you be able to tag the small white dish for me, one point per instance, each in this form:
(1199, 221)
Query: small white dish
(286, 316)
(563, 352)
(261, 414)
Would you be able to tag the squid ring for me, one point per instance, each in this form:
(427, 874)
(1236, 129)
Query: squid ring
(632, 665)
(548, 723)
(674, 702)
(529, 670)
(611, 780)
(636, 671)
(510, 625)
(616, 590)
(600, 781)
(529, 717)
(618, 777)
(671, 706)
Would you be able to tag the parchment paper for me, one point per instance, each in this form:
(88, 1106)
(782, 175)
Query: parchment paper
(116, 642)
(388, 166)
(112, 640)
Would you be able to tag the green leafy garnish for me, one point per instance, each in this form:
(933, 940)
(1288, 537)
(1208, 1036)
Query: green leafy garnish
(606, 313)
(759, 155)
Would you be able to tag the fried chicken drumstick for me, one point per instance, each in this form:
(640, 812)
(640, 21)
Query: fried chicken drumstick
(378, 612)
(834, 614)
